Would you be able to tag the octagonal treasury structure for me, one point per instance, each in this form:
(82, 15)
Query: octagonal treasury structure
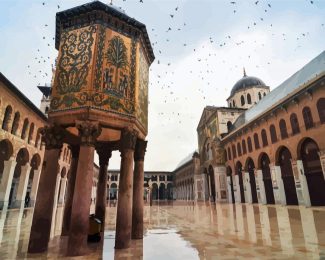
(102, 70)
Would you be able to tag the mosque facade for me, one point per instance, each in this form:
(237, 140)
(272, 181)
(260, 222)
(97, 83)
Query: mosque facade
(267, 146)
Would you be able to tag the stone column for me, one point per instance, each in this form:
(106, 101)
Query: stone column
(248, 190)
(124, 205)
(41, 224)
(138, 177)
(5, 184)
(78, 233)
(279, 180)
(71, 183)
(237, 189)
(304, 185)
(22, 186)
(33, 193)
(62, 190)
(104, 154)
(55, 204)
(259, 180)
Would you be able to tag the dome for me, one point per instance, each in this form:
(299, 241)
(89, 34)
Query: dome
(245, 82)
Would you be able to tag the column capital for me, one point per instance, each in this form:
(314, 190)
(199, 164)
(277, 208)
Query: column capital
(128, 139)
(104, 154)
(88, 132)
(52, 136)
(140, 150)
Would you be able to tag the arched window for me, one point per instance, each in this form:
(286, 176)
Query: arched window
(229, 154)
(25, 126)
(46, 109)
(242, 100)
(234, 151)
(249, 99)
(229, 125)
(15, 123)
(6, 118)
(308, 118)
(283, 129)
(233, 103)
(238, 149)
(256, 141)
(243, 144)
(274, 139)
(38, 138)
(294, 124)
(264, 138)
(259, 96)
(321, 109)
(249, 144)
(31, 132)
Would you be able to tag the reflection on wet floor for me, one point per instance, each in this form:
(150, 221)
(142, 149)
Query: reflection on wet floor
(188, 231)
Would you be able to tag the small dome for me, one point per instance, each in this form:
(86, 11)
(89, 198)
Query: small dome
(245, 82)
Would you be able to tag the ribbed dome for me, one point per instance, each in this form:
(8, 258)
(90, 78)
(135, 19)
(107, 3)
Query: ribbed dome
(246, 82)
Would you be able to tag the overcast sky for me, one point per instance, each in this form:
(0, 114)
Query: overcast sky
(201, 48)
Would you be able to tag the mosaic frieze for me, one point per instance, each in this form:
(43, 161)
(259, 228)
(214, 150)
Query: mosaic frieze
(142, 98)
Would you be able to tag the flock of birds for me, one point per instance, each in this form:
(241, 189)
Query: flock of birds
(163, 41)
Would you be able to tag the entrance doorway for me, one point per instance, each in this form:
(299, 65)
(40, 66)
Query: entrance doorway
(313, 171)
(265, 165)
(239, 172)
(252, 181)
(287, 176)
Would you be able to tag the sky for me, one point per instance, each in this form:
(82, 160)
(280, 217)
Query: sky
(201, 47)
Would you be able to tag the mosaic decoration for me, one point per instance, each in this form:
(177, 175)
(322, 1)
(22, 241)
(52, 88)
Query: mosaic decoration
(143, 90)
(116, 75)
(99, 60)
(76, 54)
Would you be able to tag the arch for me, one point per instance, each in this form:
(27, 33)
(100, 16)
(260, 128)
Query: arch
(250, 168)
(264, 138)
(113, 191)
(239, 172)
(162, 191)
(243, 144)
(264, 163)
(24, 130)
(35, 161)
(212, 182)
(321, 109)
(6, 151)
(238, 149)
(169, 191)
(309, 153)
(63, 172)
(274, 138)
(283, 129)
(229, 153)
(233, 103)
(284, 161)
(256, 141)
(155, 195)
(15, 123)
(229, 125)
(259, 96)
(308, 118)
(31, 132)
(249, 144)
(294, 124)
(249, 99)
(6, 118)
(242, 100)
(229, 174)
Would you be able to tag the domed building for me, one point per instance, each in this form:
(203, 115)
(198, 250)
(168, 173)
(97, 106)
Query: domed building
(247, 92)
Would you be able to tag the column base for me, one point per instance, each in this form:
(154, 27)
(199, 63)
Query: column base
(78, 246)
(122, 245)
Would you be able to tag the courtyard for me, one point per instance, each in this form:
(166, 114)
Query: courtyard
(184, 230)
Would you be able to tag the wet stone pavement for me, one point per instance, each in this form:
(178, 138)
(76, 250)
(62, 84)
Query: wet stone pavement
(184, 230)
